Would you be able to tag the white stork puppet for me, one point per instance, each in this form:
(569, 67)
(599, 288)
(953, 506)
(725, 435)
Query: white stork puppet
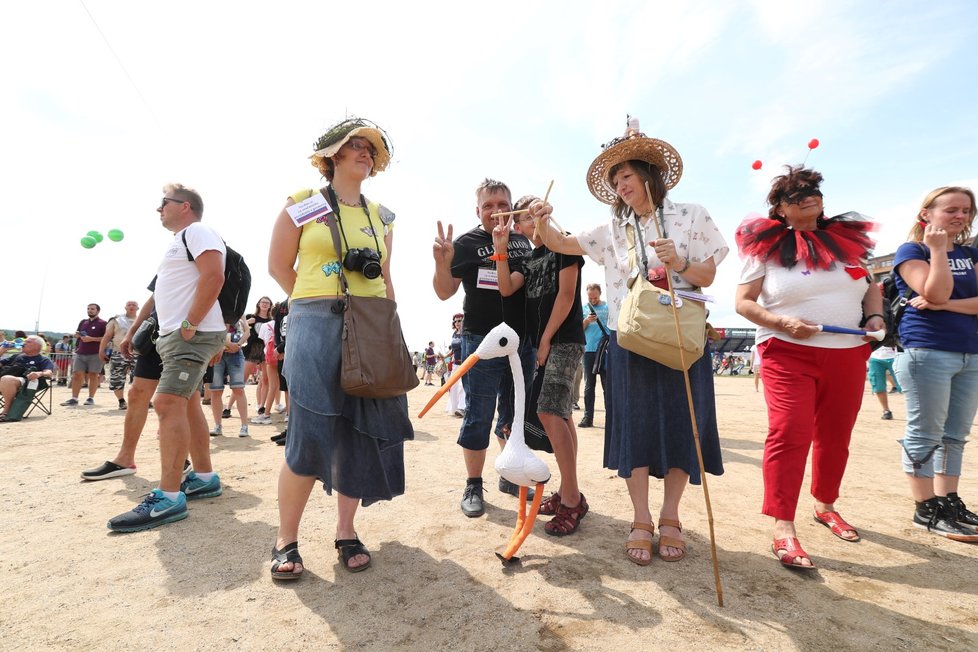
(517, 463)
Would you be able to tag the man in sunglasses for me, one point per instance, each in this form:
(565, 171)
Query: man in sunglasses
(192, 331)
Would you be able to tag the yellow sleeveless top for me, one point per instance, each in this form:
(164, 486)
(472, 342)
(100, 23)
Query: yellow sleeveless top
(317, 269)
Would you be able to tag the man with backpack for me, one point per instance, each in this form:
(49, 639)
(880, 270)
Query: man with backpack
(192, 332)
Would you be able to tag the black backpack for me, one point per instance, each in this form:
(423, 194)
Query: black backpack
(233, 298)
(894, 304)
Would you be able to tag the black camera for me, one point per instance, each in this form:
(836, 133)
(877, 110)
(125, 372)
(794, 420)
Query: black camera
(366, 261)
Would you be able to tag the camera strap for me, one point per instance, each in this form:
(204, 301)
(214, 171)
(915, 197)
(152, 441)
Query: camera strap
(335, 203)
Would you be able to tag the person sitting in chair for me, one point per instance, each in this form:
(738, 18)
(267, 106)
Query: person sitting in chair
(22, 369)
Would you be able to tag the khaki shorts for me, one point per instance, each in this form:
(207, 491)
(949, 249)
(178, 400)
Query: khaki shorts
(558, 380)
(184, 362)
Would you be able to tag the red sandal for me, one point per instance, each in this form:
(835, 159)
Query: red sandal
(550, 504)
(793, 554)
(837, 524)
(567, 519)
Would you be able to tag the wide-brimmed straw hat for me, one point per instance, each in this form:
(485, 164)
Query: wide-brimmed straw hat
(635, 147)
(338, 135)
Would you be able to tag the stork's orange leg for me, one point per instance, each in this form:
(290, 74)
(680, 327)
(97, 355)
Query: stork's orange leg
(524, 522)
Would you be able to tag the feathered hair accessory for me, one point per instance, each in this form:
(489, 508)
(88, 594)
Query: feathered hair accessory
(843, 238)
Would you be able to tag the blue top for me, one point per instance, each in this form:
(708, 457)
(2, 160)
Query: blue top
(941, 330)
(593, 334)
(32, 362)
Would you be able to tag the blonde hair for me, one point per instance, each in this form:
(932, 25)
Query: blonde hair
(917, 232)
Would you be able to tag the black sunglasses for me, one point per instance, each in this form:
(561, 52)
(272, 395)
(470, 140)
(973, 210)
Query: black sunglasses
(801, 195)
(166, 199)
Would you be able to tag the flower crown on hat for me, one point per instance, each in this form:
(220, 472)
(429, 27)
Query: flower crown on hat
(339, 134)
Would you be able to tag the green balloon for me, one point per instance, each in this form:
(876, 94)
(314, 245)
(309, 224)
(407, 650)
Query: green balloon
(88, 242)
(115, 235)
(95, 235)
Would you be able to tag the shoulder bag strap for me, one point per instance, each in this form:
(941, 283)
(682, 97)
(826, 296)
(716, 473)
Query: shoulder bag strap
(336, 240)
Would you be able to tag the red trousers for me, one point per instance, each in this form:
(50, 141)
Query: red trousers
(813, 396)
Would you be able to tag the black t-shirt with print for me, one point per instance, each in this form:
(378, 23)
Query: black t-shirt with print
(484, 307)
(542, 283)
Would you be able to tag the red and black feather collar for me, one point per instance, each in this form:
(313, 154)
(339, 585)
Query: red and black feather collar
(843, 238)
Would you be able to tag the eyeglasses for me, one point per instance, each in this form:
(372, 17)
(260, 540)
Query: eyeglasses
(799, 196)
(360, 145)
(166, 199)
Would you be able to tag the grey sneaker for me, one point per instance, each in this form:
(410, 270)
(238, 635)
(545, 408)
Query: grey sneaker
(887, 415)
(89, 401)
(216, 431)
(244, 430)
(472, 502)
(70, 402)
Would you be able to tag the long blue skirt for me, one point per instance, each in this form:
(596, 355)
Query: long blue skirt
(648, 416)
(352, 444)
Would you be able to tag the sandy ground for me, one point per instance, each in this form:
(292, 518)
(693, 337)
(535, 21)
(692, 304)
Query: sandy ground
(435, 583)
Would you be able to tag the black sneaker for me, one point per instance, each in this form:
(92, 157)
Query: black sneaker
(107, 470)
(261, 410)
(226, 414)
(961, 513)
(887, 415)
(508, 487)
(938, 517)
(472, 503)
(586, 422)
(122, 404)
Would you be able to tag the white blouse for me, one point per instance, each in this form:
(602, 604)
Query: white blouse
(694, 232)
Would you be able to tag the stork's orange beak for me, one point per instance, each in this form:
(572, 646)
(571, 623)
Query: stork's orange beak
(455, 377)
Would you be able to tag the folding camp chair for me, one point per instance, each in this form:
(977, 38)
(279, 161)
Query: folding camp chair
(27, 399)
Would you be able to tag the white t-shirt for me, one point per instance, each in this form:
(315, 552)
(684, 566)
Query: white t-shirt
(828, 297)
(176, 282)
(266, 332)
(689, 225)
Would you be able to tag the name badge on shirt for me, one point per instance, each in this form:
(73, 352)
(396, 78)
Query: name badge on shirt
(487, 279)
(309, 209)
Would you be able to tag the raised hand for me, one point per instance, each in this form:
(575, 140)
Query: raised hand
(443, 250)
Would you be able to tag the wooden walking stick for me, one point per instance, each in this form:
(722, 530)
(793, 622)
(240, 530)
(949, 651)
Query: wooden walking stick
(692, 412)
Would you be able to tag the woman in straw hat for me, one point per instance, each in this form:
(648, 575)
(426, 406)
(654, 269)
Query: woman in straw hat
(353, 445)
(803, 269)
(648, 430)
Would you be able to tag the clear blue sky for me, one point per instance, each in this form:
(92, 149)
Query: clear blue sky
(229, 97)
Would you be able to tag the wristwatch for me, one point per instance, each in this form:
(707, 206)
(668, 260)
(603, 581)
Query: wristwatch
(187, 326)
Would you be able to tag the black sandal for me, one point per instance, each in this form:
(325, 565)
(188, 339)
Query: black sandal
(350, 548)
(289, 553)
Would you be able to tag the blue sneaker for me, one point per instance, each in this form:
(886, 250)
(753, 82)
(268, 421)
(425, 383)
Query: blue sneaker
(155, 510)
(193, 487)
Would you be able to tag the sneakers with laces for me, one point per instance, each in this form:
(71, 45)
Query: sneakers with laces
(261, 420)
(472, 502)
(70, 402)
(280, 408)
(89, 401)
(188, 468)
(107, 470)
(122, 404)
(244, 430)
(226, 414)
(195, 488)
(887, 415)
(216, 431)
(155, 510)
(938, 517)
(508, 487)
(961, 513)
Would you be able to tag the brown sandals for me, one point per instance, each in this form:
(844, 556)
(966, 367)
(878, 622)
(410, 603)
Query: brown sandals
(640, 544)
(671, 542)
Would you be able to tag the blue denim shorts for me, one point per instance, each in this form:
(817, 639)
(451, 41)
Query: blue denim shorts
(232, 366)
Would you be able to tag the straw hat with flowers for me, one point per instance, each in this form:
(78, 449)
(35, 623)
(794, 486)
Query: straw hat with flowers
(634, 146)
(338, 135)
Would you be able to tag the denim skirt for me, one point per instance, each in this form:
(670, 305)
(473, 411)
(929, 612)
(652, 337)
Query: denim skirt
(648, 423)
(354, 445)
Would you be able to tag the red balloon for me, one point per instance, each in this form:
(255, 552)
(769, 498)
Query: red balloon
(756, 165)
(813, 143)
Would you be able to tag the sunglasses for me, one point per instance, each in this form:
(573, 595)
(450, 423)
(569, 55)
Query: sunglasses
(799, 196)
(166, 199)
